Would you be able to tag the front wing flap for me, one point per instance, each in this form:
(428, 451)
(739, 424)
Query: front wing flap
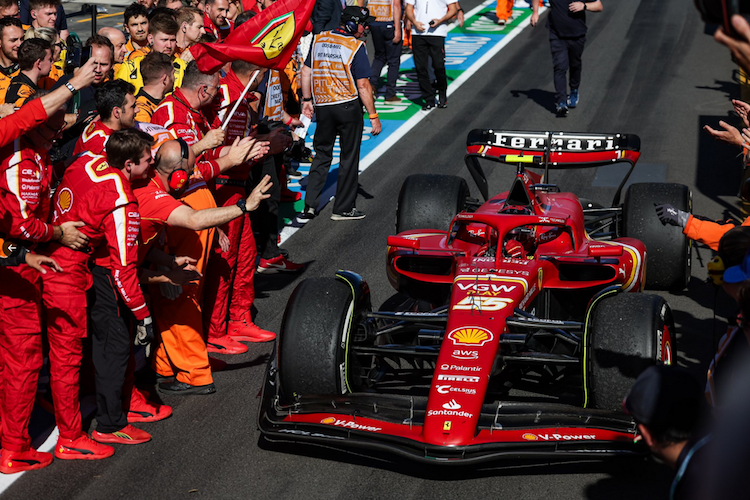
(393, 424)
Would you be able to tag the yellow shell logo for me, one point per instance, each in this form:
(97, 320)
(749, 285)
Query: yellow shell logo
(65, 200)
(328, 420)
(530, 437)
(470, 336)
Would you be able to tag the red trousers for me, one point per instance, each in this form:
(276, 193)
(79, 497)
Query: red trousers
(20, 352)
(230, 291)
(64, 297)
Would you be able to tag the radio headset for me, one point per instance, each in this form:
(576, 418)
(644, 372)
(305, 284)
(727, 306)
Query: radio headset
(179, 176)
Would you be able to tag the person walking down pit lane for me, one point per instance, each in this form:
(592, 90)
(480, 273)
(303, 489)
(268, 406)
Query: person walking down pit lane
(567, 36)
(429, 28)
(336, 77)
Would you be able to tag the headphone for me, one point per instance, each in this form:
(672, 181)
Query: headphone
(178, 177)
(716, 270)
(351, 24)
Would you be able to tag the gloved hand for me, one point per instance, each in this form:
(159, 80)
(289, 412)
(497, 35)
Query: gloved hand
(144, 332)
(668, 214)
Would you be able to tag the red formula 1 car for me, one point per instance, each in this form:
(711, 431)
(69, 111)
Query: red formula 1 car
(518, 327)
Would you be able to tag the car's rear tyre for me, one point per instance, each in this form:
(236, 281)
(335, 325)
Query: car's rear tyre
(668, 250)
(625, 334)
(314, 338)
(430, 201)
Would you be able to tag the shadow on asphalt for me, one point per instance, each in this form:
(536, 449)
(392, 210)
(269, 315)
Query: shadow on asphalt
(653, 481)
(543, 98)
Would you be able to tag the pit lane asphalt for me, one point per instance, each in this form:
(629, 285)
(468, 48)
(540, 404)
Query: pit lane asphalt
(649, 70)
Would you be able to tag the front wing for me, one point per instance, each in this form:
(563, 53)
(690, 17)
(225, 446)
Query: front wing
(392, 424)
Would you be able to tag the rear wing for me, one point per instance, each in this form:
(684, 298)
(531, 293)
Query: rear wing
(549, 150)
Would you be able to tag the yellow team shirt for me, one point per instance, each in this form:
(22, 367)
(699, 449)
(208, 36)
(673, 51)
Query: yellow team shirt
(130, 71)
(5, 81)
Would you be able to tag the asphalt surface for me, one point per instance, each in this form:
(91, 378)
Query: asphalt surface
(649, 70)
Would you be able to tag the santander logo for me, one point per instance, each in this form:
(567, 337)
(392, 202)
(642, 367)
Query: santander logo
(452, 405)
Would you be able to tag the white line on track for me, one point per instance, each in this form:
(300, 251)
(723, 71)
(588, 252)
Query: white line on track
(288, 231)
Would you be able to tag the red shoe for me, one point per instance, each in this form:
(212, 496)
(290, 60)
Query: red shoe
(82, 448)
(225, 345)
(289, 195)
(126, 435)
(20, 461)
(143, 410)
(243, 332)
(280, 264)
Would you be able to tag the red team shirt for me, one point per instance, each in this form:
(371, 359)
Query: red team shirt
(25, 175)
(155, 205)
(100, 195)
(93, 139)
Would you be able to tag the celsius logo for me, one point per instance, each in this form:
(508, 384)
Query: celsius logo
(349, 425)
(461, 354)
(452, 405)
(445, 389)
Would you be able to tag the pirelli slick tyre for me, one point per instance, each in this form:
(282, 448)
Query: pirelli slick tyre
(668, 250)
(314, 338)
(429, 201)
(625, 334)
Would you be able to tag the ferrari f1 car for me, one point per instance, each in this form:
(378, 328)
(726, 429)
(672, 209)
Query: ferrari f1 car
(518, 325)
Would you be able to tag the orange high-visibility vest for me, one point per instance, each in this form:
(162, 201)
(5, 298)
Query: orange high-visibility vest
(332, 80)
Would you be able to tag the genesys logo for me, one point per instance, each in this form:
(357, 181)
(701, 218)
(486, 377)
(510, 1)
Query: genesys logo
(445, 389)
(458, 378)
(470, 336)
(558, 437)
(349, 425)
(465, 354)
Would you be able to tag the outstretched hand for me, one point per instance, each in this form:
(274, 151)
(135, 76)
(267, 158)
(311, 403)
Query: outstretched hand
(730, 134)
(259, 194)
(743, 110)
(740, 46)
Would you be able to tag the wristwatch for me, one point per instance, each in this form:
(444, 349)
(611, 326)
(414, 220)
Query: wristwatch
(241, 203)
(584, 6)
(307, 99)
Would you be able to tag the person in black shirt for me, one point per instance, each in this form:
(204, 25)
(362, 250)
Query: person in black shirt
(567, 36)
(667, 405)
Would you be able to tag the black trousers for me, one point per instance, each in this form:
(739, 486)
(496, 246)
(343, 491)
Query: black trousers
(343, 120)
(566, 54)
(111, 346)
(266, 219)
(423, 48)
(386, 52)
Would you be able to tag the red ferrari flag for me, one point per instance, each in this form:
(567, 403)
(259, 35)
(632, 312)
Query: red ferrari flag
(267, 40)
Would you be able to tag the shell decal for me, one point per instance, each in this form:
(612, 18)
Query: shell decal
(470, 335)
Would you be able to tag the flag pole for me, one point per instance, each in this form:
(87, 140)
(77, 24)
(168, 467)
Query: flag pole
(237, 103)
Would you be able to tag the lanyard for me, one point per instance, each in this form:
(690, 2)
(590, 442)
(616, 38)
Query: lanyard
(681, 470)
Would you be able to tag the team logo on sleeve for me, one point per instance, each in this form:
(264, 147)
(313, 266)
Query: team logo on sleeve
(64, 200)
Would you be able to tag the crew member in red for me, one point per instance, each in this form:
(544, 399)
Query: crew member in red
(215, 19)
(115, 280)
(99, 194)
(181, 113)
(230, 289)
(25, 174)
(115, 102)
(183, 351)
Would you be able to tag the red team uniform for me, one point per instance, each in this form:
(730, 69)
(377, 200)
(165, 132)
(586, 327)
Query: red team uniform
(99, 195)
(24, 206)
(230, 291)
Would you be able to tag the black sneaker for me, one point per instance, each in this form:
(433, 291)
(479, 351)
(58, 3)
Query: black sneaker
(442, 99)
(292, 172)
(306, 215)
(352, 214)
(561, 109)
(177, 388)
(428, 105)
